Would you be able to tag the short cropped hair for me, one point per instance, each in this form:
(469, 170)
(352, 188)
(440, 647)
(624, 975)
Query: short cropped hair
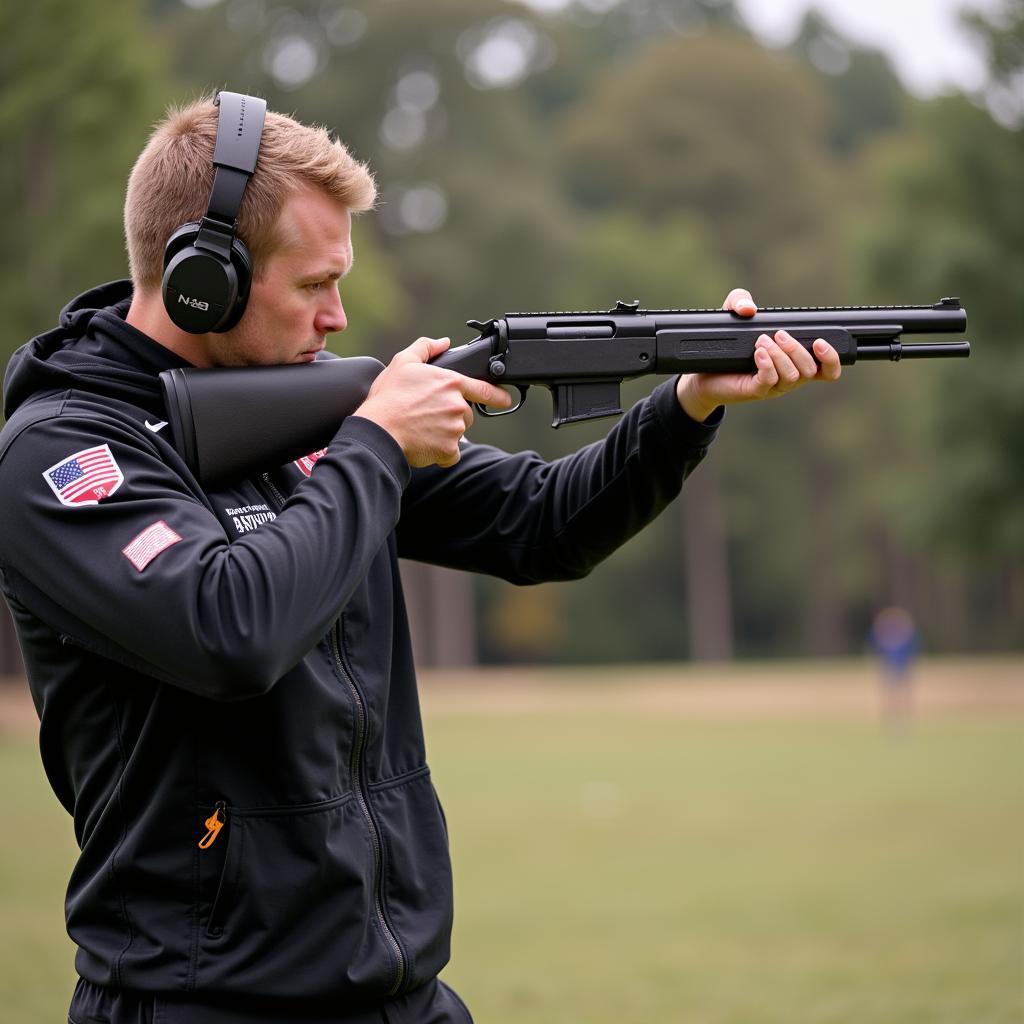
(171, 182)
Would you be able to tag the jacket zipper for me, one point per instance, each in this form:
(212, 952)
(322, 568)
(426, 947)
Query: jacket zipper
(275, 494)
(214, 823)
(359, 788)
(362, 796)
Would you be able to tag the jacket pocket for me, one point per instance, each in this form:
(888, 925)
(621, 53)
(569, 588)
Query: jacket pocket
(287, 909)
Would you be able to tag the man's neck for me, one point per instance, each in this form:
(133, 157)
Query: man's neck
(147, 314)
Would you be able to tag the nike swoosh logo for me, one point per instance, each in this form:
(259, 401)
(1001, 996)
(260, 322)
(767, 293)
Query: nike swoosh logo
(156, 427)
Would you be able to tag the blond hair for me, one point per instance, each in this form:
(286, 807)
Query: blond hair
(171, 181)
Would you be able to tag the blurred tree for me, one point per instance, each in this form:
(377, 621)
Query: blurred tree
(950, 220)
(77, 89)
(516, 152)
(718, 126)
(1001, 34)
(740, 138)
(867, 98)
(681, 558)
(79, 84)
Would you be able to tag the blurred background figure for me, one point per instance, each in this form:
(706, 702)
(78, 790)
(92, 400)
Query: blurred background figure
(894, 640)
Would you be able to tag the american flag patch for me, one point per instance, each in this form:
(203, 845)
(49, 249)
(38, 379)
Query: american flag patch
(85, 478)
(307, 462)
(154, 538)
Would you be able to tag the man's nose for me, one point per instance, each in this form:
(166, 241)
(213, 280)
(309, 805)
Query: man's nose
(331, 315)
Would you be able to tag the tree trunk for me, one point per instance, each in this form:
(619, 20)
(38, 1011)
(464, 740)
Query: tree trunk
(442, 615)
(706, 567)
(823, 624)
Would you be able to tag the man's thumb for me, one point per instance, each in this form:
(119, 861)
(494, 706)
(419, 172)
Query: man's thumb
(424, 349)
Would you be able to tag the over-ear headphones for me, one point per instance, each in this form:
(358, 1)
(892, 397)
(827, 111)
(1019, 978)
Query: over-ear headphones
(207, 270)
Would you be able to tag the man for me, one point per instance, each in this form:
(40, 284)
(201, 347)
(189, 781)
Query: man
(224, 678)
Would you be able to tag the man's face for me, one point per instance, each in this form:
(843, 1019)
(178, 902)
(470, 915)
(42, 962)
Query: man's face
(295, 303)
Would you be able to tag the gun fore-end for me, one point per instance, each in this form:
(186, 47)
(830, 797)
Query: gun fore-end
(731, 349)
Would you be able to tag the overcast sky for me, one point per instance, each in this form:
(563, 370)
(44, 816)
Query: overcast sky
(929, 49)
(931, 52)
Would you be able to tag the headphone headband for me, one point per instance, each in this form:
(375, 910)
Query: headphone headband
(239, 128)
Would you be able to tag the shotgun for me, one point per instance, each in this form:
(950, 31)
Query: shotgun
(226, 423)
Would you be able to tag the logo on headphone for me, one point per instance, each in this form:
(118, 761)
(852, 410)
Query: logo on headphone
(194, 303)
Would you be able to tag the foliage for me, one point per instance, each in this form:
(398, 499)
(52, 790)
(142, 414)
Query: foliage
(865, 95)
(650, 149)
(1001, 33)
(950, 217)
(719, 127)
(72, 116)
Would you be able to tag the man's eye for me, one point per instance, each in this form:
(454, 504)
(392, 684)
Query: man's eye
(315, 286)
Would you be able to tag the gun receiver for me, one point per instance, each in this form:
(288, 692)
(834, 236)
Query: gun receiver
(226, 423)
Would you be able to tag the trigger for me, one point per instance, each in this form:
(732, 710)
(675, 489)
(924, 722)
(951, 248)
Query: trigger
(485, 410)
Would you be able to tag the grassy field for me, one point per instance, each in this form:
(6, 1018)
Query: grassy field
(636, 862)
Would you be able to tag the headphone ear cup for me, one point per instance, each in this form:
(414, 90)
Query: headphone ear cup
(200, 290)
(195, 278)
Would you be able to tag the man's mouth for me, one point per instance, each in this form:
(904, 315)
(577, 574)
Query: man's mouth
(310, 353)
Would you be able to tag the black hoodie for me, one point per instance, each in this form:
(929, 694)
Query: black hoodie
(224, 679)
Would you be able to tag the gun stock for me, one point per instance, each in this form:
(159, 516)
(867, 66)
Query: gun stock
(227, 423)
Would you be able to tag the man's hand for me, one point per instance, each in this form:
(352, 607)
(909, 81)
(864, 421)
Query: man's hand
(425, 408)
(782, 365)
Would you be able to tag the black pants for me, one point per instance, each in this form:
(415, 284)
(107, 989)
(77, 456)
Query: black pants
(434, 1003)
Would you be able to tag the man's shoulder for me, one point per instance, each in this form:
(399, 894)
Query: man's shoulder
(61, 417)
(41, 408)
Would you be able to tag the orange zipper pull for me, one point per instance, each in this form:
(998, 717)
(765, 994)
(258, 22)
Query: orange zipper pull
(214, 823)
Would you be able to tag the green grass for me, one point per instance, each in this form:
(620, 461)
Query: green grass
(637, 869)
(37, 851)
(642, 867)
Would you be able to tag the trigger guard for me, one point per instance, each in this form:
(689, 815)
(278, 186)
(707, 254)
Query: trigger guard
(485, 411)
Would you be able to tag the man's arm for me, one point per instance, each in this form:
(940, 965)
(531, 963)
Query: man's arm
(527, 520)
(221, 619)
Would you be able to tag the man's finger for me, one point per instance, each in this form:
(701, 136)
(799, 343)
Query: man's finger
(739, 300)
(802, 359)
(474, 390)
(422, 350)
(767, 375)
(788, 374)
(831, 368)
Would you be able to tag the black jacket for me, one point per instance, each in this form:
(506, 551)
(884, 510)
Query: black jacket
(234, 667)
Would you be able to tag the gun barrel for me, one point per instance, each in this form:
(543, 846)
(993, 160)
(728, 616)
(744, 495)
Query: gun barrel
(895, 351)
(944, 317)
